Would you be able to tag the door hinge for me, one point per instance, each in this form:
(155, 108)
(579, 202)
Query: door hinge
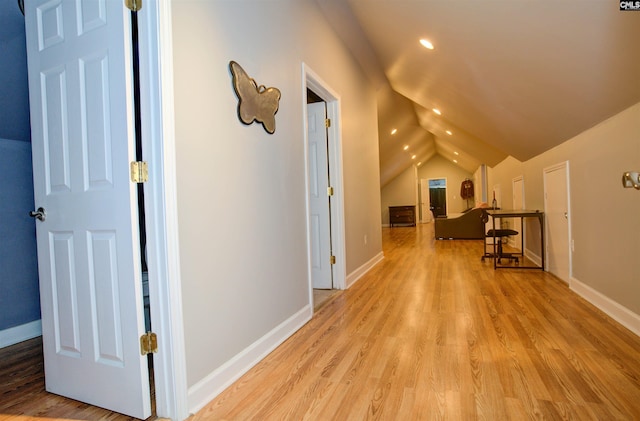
(327, 122)
(139, 172)
(332, 259)
(133, 5)
(148, 343)
(329, 191)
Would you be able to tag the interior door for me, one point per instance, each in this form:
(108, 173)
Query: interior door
(425, 212)
(79, 61)
(319, 200)
(556, 203)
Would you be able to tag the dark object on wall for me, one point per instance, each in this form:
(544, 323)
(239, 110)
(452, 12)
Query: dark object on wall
(466, 189)
(405, 215)
(21, 5)
(468, 226)
(255, 103)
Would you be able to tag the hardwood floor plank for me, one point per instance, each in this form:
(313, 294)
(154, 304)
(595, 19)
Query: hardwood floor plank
(431, 332)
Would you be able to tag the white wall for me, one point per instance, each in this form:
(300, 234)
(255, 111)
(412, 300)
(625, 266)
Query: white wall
(401, 191)
(241, 192)
(604, 216)
(439, 167)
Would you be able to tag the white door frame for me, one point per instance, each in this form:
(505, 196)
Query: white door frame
(560, 166)
(163, 257)
(312, 81)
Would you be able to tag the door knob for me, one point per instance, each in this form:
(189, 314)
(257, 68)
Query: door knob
(38, 214)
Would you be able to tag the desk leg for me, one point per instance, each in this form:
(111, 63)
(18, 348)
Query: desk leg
(495, 251)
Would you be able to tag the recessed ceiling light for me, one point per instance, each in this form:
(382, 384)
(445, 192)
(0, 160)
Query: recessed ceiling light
(426, 44)
(437, 111)
(406, 147)
(413, 157)
(394, 131)
(449, 132)
(419, 163)
(455, 153)
(455, 160)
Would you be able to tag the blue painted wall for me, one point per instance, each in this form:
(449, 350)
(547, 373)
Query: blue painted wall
(19, 295)
(14, 94)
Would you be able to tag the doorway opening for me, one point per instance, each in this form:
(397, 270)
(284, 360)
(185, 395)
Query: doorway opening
(320, 194)
(557, 209)
(438, 197)
(137, 120)
(325, 198)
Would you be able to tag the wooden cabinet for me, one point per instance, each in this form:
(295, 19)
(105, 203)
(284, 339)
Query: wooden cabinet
(405, 215)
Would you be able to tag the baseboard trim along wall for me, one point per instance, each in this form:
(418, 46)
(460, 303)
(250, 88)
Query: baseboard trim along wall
(619, 313)
(211, 386)
(537, 260)
(354, 276)
(20, 333)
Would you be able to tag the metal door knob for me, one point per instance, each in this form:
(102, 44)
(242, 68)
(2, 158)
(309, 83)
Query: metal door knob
(38, 214)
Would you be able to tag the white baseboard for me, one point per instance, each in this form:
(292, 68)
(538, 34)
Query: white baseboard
(211, 386)
(354, 276)
(619, 313)
(533, 257)
(20, 333)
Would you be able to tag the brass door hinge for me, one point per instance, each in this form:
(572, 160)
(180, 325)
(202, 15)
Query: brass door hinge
(148, 343)
(139, 172)
(133, 5)
(329, 191)
(332, 259)
(327, 122)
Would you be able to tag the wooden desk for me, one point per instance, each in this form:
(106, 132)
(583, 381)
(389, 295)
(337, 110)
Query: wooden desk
(522, 214)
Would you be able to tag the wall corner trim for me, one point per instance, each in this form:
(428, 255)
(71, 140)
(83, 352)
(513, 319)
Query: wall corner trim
(616, 311)
(20, 333)
(354, 276)
(204, 391)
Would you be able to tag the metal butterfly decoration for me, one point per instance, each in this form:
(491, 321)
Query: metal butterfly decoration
(255, 103)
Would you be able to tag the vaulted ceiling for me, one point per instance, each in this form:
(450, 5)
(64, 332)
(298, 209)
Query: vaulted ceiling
(511, 77)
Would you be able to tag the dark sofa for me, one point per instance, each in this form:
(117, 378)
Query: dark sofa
(466, 226)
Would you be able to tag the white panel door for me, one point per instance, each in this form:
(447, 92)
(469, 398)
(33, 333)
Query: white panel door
(556, 207)
(88, 255)
(319, 200)
(424, 201)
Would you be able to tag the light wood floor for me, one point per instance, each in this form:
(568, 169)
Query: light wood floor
(22, 394)
(433, 333)
(429, 333)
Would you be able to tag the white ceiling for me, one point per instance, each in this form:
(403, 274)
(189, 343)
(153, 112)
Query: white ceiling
(514, 77)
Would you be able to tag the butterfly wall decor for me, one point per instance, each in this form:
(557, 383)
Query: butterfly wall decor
(255, 103)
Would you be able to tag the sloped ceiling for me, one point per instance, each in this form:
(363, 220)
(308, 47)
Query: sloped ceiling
(510, 77)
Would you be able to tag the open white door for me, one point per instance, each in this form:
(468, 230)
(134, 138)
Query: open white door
(557, 217)
(320, 211)
(79, 60)
(425, 212)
